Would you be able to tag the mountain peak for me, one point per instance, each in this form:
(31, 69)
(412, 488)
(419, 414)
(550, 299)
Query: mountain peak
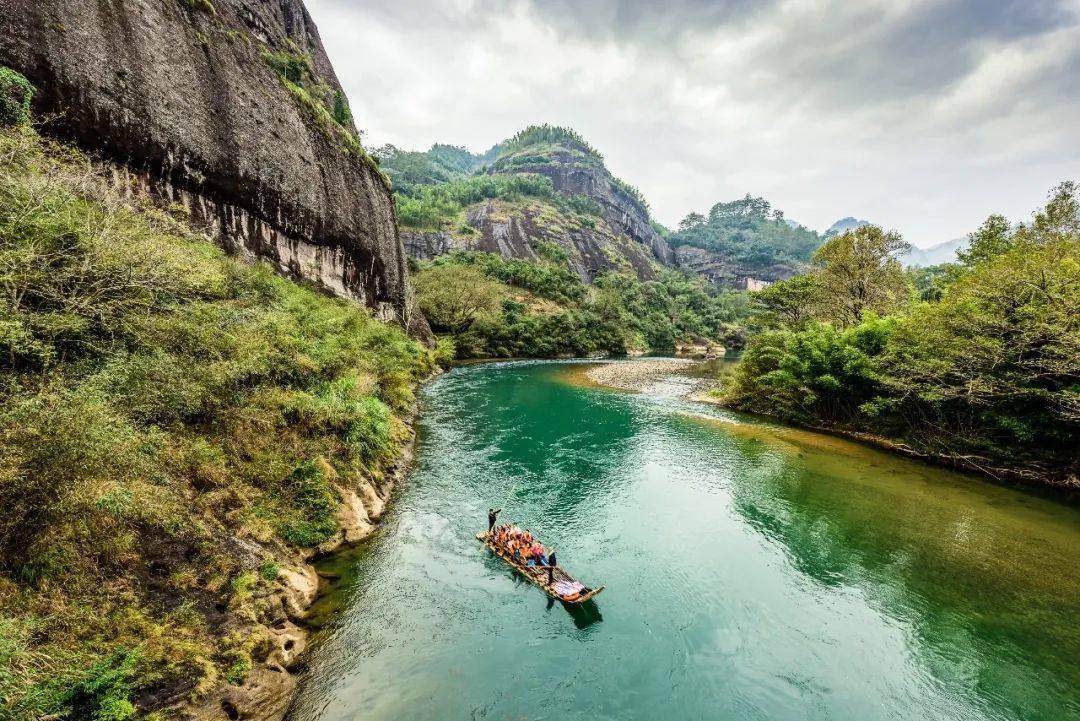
(844, 225)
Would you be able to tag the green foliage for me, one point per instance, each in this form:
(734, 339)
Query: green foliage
(341, 113)
(859, 271)
(432, 206)
(631, 192)
(295, 67)
(816, 375)
(156, 394)
(749, 231)
(410, 169)
(205, 6)
(15, 95)
(980, 367)
(553, 280)
(311, 504)
(549, 135)
(932, 281)
(584, 204)
(269, 570)
(453, 295)
(541, 309)
(789, 302)
(104, 693)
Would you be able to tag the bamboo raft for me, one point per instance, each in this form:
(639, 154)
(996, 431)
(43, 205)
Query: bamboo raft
(538, 574)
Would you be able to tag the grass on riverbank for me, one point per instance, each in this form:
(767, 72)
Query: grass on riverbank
(172, 423)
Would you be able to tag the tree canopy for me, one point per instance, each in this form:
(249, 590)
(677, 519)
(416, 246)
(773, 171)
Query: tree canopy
(750, 231)
(980, 367)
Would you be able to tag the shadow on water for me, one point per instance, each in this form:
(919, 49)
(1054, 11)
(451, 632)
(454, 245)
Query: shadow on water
(583, 614)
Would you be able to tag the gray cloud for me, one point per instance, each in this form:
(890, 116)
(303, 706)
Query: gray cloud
(924, 115)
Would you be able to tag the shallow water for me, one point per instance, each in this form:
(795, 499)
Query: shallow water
(752, 572)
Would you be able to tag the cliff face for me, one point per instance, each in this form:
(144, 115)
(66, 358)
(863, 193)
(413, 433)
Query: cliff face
(725, 272)
(519, 229)
(620, 210)
(597, 222)
(184, 93)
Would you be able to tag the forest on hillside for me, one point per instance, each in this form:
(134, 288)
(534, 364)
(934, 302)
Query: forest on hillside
(975, 362)
(750, 231)
(488, 306)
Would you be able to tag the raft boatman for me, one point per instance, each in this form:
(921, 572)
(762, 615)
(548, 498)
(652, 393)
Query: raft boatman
(551, 567)
(492, 513)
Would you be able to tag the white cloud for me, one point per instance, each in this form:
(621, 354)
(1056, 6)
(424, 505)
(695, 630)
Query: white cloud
(924, 116)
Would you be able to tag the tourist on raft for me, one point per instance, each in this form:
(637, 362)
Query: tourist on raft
(523, 547)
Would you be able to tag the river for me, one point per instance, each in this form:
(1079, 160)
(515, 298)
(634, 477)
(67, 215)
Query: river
(752, 572)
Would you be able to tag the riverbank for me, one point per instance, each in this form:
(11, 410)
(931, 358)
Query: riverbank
(175, 455)
(640, 376)
(270, 686)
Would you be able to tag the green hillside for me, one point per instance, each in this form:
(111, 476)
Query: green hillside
(174, 424)
(749, 232)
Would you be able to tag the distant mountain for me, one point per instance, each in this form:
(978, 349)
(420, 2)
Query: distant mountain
(844, 225)
(544, 195)
(934, 255)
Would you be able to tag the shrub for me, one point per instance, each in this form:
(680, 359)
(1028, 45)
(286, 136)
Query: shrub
(539, 135)
(15, 95)
(157, 398)
(294, 67)
(269, 569)
(205, 6)
(341, 112)
(308, 506)
(431, 206)
(104, 692)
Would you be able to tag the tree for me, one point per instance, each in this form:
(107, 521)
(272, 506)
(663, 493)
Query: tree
(859, 272)
(788, 302)
(932, 281)
(993, 238)
(454, 296)
(691, 221)
(1059, 220)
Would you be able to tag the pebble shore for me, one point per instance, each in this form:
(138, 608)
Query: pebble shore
(637, 375)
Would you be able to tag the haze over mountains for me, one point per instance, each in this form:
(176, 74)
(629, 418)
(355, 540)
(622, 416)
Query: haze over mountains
(944, 252)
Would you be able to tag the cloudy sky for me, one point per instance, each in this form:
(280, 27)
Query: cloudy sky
(921, 115)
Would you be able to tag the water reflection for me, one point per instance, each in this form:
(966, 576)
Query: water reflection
(981, 586)
(752, 572)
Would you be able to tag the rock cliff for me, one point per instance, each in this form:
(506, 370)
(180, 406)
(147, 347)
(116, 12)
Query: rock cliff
(620, 209)
(232, 109)
(597, 221)
(725, 272)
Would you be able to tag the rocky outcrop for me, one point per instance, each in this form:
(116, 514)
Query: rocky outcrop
(724, 272)
(520, 229)
(571, 175)
(619, 208)
(281, 631)
(180, 92)
(596, 221)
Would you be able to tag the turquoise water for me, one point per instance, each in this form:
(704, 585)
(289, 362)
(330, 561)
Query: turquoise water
(752, 572)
